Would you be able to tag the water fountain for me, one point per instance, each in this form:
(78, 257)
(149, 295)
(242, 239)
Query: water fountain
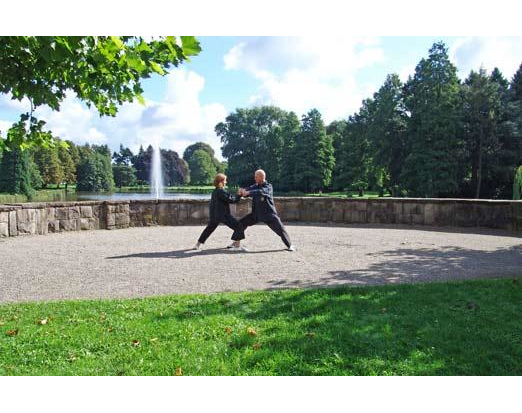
(156, 174)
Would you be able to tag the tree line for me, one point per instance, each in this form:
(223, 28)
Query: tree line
(93, 168)
(433, 136)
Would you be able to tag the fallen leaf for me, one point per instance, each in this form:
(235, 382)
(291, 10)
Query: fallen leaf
(256, 346)
(178, 371)
(251, 331)
(43, 321)
(228, 330)
(12, 333)
(135, 343)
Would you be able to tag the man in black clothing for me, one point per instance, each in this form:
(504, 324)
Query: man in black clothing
(263, 208)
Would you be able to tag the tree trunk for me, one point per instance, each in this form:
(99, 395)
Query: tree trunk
(479, 169)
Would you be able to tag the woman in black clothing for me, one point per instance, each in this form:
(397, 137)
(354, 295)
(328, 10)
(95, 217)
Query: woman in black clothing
(220, 214)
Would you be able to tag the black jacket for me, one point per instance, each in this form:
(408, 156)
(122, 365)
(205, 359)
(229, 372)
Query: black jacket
(220, 204)
(263, 206)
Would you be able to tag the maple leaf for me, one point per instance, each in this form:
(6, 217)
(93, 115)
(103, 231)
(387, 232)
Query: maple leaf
(43, 321)
(11, 333)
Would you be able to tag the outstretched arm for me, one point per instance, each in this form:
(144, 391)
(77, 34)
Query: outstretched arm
(264, 190)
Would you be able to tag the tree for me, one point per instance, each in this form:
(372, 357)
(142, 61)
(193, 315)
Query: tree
(252, 139)
(141, 162)
(123, 157)
(290, 128)
(195, 165)
(175, 170)
(517, 184)
(103, 71)
(15, 170)
(187, 154)
(481, 110)
(314, 154)
(74, 151)
(94, 173)
(48, 162)
(387, 133)
(202, 169)
(124, 175)
(352, 164)
(68, 165)
(510, 137)
(434, 149)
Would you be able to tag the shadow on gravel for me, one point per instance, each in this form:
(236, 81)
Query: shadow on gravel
(187, 253)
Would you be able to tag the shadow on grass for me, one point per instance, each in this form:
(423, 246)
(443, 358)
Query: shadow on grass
(429, 329)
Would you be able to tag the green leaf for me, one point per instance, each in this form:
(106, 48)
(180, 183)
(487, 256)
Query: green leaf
(116, 40)
(157, 68)
(190, 45)
(140, 99)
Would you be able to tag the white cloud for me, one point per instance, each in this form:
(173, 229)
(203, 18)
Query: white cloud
(301, 73)
(174, 122)
(7, 103)
(4, 127)
(472, 52)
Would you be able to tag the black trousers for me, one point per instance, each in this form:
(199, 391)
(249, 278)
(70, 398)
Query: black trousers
(273, 222)
(230, 222)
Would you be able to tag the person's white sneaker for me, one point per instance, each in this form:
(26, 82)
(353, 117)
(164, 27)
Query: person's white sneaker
(239, 249)
(196, 247)
(230, 246)
(291, 248)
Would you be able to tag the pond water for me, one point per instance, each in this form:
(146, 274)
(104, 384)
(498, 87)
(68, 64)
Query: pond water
(115, 196)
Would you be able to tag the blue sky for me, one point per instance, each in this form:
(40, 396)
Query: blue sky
(331, 73)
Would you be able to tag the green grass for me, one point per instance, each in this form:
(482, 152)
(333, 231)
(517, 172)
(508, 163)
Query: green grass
(41, 195)
(464, 328)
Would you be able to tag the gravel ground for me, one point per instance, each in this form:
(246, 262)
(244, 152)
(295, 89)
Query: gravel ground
(139, 262)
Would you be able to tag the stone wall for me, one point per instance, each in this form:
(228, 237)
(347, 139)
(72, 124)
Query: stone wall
(43, 218)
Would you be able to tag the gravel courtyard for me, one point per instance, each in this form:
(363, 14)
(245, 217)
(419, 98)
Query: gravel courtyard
(149, 261)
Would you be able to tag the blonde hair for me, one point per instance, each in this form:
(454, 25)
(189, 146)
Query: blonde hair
(220, 178)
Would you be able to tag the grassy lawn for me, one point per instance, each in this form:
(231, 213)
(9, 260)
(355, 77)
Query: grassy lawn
(461, 328)
(43, 195)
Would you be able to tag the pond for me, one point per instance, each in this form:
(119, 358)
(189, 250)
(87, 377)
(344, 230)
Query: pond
(113, 196)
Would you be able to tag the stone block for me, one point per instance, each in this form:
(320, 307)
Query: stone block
(74, 212)
(13, 227)
(53, 226)
(4, 229)
(429, 214)
(61, 213)
(26, 221)
(86, 211)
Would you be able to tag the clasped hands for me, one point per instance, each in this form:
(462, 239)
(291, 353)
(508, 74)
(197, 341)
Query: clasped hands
(242, 192)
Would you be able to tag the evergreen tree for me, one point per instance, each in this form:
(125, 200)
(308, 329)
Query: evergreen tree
(123, 157)
(434, 146)
(517, 184)
(481, 112)
(314, 154)
(68, 165)
(15, 173)
(141, 162)
(290, 129)
(387, 133)
(94, 172)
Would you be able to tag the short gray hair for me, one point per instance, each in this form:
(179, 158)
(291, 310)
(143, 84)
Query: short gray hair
(260, 172)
